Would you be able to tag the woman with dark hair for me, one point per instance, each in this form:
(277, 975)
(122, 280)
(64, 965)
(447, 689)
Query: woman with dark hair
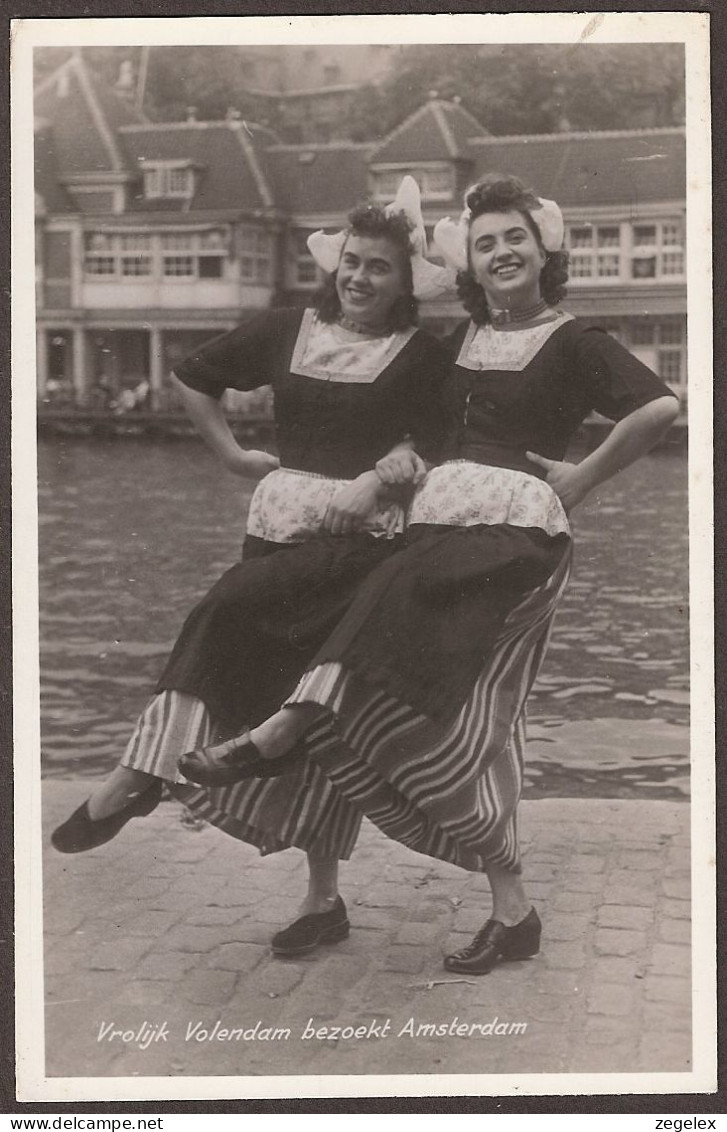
(415, 705)
(354, 380)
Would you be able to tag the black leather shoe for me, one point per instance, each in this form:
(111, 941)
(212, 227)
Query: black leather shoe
(308, 932)
(81, 832)
(494, 943)
(226, 763)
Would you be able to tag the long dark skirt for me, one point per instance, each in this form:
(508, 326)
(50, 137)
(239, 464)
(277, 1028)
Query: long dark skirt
(425, 684)
(245, 645)
(240, 653)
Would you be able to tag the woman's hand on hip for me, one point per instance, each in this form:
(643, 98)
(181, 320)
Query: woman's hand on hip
(566, 480)
(401, 465)
(251, 463)
(353, 504)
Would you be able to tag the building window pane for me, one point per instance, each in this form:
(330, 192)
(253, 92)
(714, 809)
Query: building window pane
(255, 260)
(609, 237)
(671, 334)
(608, 265)
(641, 333)
(671, 234)
(167, 181)
(644, 267)
(581, 267)
(644, 235)
(101, 265)
(136, 265)
(436, 182)
(672, 263)
(179, 265)
(388, 182)
(670, 365)
(178, 180)
(210, 267)
(581, 237)
(306, 271)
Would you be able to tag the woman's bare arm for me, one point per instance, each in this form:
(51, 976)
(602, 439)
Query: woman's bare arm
(630, 439)
(212, 425)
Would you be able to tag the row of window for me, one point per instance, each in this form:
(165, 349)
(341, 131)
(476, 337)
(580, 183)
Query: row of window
(597, 251)
(626, 251)
(176, 255)
(605, 251)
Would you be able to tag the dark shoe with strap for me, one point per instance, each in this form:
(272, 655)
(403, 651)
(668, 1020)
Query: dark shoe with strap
(494, 943)
(223, 764)
(81, 832)
(305, 934)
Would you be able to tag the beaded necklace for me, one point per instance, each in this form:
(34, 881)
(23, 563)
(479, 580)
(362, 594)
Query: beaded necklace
(520, 314)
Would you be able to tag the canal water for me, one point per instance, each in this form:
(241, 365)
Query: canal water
(132, 533)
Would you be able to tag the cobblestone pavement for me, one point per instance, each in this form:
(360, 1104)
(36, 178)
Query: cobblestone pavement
(163, 934)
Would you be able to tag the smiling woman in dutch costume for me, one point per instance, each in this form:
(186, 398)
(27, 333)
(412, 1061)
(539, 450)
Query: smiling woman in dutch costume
(354, 381)
(415, 704)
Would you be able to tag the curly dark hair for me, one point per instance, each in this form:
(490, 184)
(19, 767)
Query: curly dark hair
(497, 193)
(371, 220)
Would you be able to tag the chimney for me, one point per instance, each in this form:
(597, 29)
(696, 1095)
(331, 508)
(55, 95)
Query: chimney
(191, 113)
(126, 83)
(233, 114)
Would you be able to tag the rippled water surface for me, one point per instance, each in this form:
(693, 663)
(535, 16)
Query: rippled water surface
(132, 533)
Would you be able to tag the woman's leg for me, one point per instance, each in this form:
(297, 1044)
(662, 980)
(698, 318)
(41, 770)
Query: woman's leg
(259, 752)
(275, 736)
(121, 787)
(322, 885)
(169, 722)
(322, 917)
(510, 905)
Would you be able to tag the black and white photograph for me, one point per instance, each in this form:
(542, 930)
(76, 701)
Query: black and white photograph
(362, 560)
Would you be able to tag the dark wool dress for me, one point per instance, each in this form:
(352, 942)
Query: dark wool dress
(340, 405)
(426, 677)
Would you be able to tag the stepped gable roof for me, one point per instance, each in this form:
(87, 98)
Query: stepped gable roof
(327, 178)
(85, 117)
(437, 131)
(592, 169)
(231, 173)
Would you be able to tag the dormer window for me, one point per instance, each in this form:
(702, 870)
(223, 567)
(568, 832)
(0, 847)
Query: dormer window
(436, 181)
(168, 179)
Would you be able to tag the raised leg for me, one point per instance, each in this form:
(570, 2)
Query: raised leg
(121, 787)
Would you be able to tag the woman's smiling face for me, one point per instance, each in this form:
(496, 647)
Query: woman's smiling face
(370, 278)
(506, 259)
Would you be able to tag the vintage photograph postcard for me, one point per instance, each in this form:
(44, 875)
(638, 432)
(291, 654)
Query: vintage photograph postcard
(364, 707)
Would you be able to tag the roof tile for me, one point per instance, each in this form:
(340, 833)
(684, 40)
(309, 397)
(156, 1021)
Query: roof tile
(586, 170)
(319, 179)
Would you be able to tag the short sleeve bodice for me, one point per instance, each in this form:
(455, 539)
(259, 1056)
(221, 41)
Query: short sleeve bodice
(334, 414)
(507, 393)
